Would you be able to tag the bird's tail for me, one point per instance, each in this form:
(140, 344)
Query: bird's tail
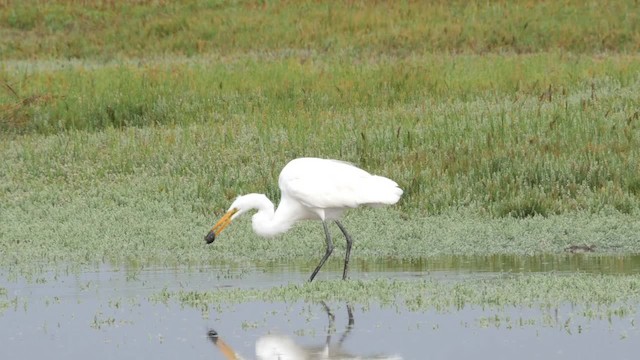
(381, 191)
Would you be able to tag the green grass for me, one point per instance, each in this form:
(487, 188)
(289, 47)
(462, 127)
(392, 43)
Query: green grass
(117, 29)
(591, 295)
(566, 141)
(122, 137)
(582, 296)
(135, 224)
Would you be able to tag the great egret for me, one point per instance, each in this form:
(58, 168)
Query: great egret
(312, 188)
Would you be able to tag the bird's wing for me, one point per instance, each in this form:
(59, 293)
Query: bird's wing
(322, 183)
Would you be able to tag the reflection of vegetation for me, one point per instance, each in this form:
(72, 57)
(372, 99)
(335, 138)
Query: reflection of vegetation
(100, 321)
(493, 263)
(4, 302)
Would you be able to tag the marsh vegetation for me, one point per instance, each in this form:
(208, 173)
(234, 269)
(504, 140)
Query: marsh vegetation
(126, 128)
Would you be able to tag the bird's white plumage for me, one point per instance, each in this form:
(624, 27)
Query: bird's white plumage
(332, 184)
(313, 188)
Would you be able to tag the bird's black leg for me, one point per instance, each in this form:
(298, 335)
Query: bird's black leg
(327, 253)
(349, 243)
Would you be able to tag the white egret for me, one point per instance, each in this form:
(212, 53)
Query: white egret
(312, 188)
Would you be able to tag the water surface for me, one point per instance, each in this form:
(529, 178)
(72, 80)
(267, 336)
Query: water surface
(110, 313)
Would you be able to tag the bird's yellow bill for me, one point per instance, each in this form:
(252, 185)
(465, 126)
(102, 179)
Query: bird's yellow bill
(219, 226)
(223, 222)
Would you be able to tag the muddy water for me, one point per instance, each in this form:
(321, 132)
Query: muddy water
(106, 313)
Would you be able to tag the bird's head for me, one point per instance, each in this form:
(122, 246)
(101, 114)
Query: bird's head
(237, 208)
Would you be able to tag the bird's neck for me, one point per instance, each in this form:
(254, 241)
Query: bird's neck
(269, 222)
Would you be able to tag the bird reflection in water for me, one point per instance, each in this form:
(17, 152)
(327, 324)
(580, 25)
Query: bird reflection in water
(282, 347)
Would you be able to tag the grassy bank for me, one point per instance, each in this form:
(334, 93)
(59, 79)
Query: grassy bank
(123, 136)
(131, 224)
(512, 109)
(498, 151)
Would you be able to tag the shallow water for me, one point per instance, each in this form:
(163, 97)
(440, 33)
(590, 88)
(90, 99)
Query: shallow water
(106, 313)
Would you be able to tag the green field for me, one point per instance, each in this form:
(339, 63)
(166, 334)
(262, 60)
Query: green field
(126, 128)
